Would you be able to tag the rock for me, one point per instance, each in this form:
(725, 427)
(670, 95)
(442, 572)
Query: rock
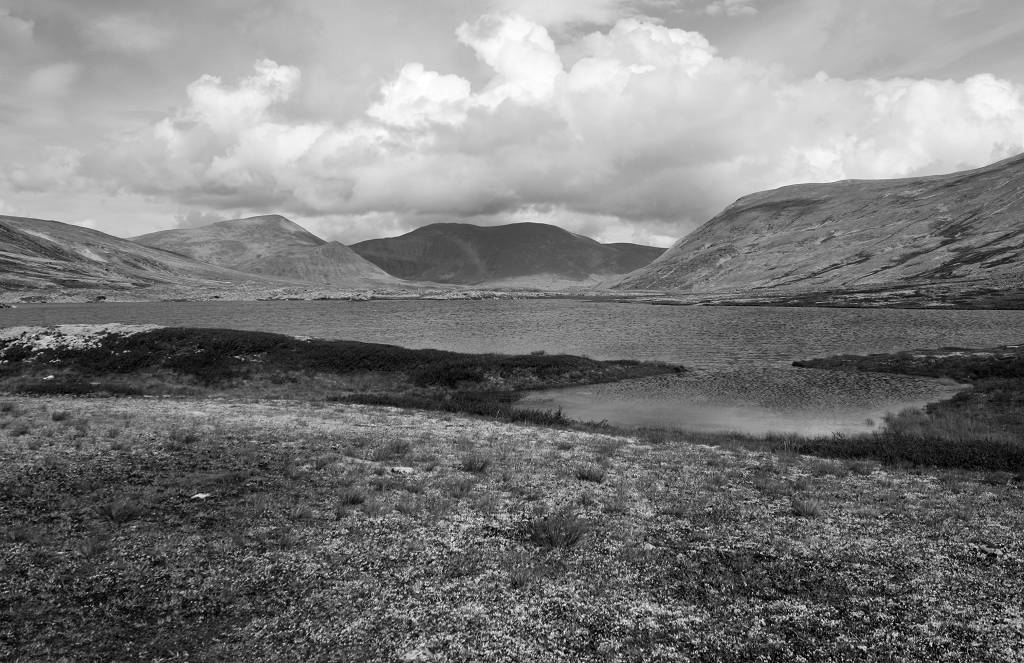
(402, 470)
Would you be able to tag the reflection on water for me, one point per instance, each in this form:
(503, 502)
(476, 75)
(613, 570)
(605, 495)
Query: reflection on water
(733, 347)
(756, 402)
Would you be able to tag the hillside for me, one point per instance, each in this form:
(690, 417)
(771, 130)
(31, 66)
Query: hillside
(332, 263)
(272, 246)
(39, 254)
(229, 243)
(462, 253)
(959, 232)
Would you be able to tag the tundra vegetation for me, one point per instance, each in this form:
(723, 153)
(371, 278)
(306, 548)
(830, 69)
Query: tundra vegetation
(246, 516)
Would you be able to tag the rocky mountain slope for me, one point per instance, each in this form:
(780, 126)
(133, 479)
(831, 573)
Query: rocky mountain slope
(513, 254)
(957, 232)
(272, 246)
(39, 254)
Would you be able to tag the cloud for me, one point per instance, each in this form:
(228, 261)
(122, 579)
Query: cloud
(419, 98)
(8, 209)
(193, 218)
(521, 54)
(15, 32)
(562, 12)
(59, 169)
(55, 80)
(731, 8)
(125, 33)
(649, 125)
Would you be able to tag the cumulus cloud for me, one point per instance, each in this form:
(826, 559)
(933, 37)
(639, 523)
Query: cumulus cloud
(419, 98)
(649, 126)
(522, 56)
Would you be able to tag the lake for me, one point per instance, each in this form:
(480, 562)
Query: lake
(742, 355)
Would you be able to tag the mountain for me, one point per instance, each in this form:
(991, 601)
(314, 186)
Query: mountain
(272, 246)
(513, 254)
(39, 254)
(952, 232)
(331, 262)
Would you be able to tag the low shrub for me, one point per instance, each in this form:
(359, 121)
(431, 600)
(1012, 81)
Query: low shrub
(806, 507)
(121, 511)
(562, 529)
(590, 472)
(475, 462)
(391, 450)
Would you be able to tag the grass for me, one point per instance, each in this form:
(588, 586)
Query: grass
(475, 462)
(563, 529)
(308, 549)
(590, 472)
(312, 545)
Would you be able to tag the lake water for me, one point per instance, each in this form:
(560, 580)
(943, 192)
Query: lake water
(742, 354)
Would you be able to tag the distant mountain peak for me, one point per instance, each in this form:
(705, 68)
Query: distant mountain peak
(525, 253)
(270, 245)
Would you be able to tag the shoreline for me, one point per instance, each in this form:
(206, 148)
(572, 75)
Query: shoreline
(926, 296)
(200, 362)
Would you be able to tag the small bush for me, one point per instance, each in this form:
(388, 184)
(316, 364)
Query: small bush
(556, 530)
(475, 462)
(608, 448)
(19, 429)
(408, 506)
(58, 415)
(7, 407)
(392, 450)
(351, 497)
(590, 472)
(374, 508)
(92, 546)
(861, 467)
(25, 534)
(121, 511)
(806, 507)
(461, 488)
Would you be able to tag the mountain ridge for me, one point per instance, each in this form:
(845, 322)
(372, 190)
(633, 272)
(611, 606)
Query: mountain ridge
(46, 254)
(965, 226)
(271, 246)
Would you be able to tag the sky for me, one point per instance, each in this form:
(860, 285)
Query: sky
(624, 120)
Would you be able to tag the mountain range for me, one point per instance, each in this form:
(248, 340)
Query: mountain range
(957, 232)
(512, 254)
(261, 253)
(955, 239)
